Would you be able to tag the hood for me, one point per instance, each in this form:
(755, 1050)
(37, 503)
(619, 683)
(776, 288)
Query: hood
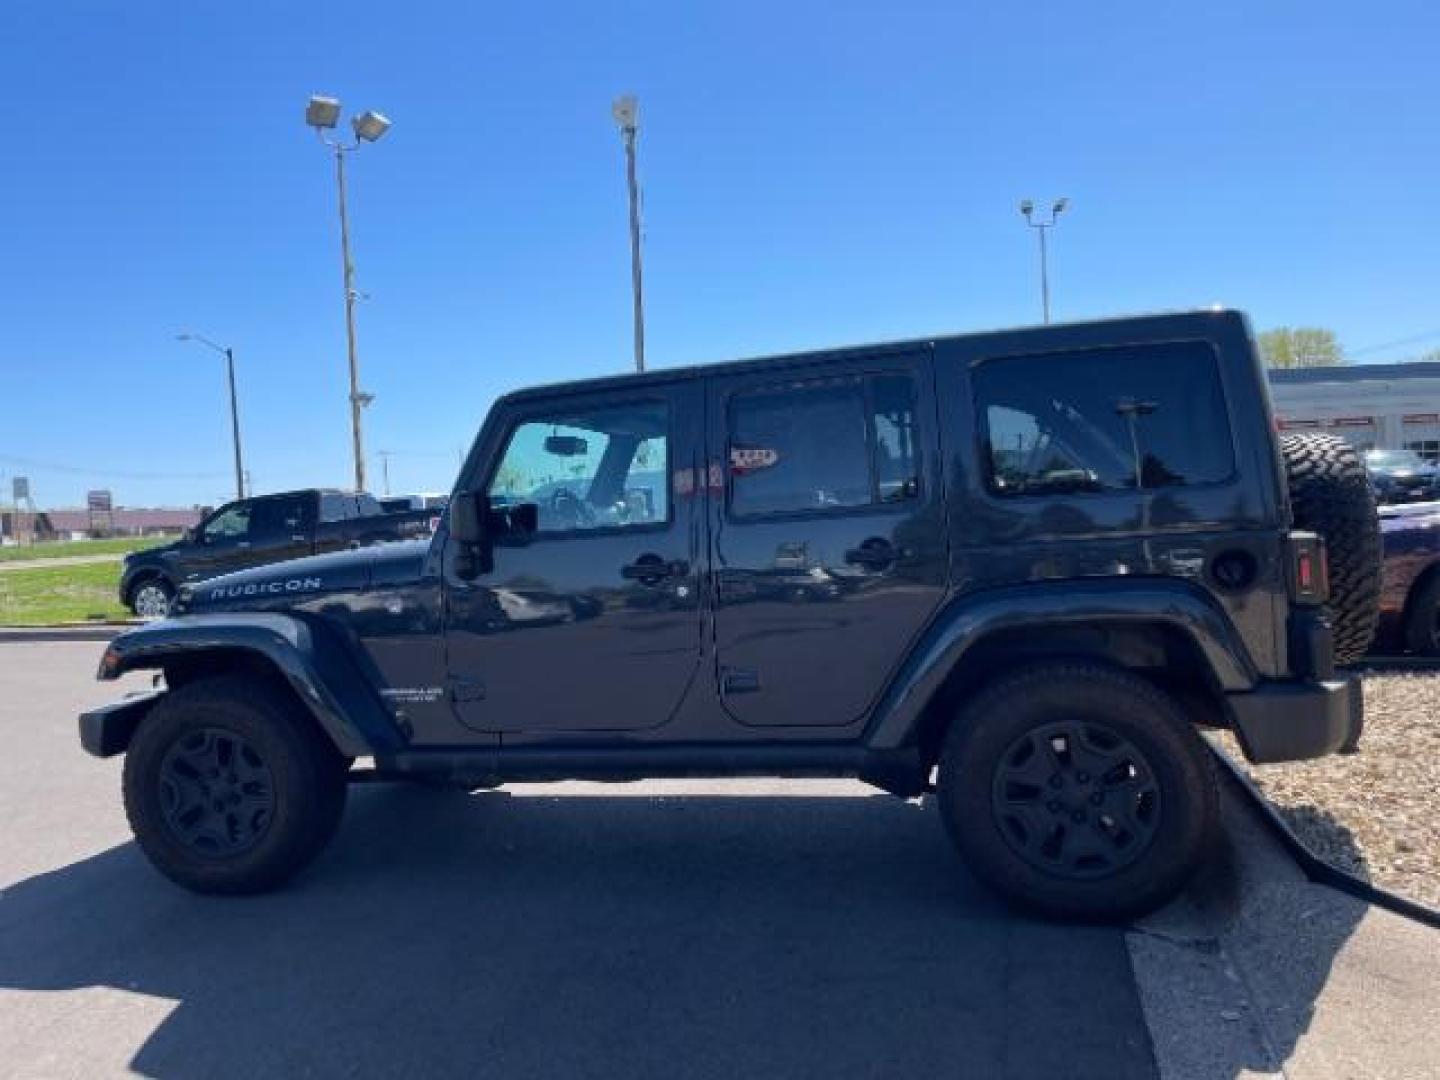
(288, 584)
(146, 554)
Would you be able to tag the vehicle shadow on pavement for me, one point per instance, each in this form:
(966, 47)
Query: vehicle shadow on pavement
(1233, 973)
(600, 935)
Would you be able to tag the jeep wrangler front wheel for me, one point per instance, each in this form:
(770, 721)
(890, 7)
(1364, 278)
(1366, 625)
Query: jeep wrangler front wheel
(1078, 790)
(229, 788)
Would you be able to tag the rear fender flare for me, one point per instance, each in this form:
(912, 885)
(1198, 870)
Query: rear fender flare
(318, 668)
(968, 620)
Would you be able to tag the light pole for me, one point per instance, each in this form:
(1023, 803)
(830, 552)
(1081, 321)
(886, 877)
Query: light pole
(322, 114)
(1027, 207)
(626, 111)
(229, 354)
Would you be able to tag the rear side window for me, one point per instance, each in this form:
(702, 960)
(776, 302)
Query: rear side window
(335, 507)
(1116, 419)
(833, 444)
(278, 517)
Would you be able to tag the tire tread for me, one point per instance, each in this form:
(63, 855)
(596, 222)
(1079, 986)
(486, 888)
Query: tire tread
(1330, 494)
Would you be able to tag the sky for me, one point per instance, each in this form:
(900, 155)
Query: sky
(814, 174)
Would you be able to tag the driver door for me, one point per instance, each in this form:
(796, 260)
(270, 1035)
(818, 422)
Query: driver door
(222, 543)
(591, 623)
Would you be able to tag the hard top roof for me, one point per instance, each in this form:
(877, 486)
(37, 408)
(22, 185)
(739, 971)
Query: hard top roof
(1091, 332)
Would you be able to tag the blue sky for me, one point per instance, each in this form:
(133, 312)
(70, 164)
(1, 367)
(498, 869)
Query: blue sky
(814, 174)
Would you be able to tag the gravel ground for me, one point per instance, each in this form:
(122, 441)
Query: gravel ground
(1375, 814)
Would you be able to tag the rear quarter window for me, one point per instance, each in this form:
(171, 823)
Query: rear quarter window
(1126, 418)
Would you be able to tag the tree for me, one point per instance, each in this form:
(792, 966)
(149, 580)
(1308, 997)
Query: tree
(1301, 346)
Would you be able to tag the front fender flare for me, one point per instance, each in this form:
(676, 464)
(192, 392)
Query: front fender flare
(317, 666)
(969, 619)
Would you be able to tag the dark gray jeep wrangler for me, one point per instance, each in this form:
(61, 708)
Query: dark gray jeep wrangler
(1017, 569)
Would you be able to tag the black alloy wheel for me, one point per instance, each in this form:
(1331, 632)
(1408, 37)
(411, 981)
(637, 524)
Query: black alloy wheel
(217, 793)
(1076, 800)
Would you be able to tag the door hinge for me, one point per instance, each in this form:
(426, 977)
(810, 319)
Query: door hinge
(739, 681)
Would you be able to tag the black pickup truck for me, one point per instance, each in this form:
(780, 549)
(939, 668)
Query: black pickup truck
(1016, 570)
(264, 529)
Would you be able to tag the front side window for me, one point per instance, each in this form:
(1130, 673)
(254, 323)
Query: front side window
(606, 467)
(832, 444)
(231, 523)
(1116, 419)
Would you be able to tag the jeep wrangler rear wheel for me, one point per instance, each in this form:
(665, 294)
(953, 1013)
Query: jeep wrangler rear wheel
(1330, 494)
(229, 787)
(1078, 790)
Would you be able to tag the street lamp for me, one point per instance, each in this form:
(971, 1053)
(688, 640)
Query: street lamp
(229, 354)
(625, 109)
(1027, 208)
(323, 114)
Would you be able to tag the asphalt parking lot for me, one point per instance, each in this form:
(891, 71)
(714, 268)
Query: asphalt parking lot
(747, 928)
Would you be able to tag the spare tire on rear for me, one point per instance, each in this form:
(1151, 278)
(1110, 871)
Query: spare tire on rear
(1330, 494)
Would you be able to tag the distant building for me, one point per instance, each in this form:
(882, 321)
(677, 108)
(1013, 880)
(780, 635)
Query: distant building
(1389, 405)
(121, 521)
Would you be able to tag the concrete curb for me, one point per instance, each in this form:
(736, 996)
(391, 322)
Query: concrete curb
(1316, 868)
(67, 632)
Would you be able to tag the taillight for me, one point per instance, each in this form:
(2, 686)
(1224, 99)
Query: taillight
(1309, 573)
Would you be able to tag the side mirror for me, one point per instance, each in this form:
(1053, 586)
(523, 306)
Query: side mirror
(189, 536)
(469, 518)
(524, 519)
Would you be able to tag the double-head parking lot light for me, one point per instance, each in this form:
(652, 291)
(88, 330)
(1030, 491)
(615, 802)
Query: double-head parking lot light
(323, 114)
(1027, 208)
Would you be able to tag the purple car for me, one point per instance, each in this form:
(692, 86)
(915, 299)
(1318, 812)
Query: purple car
(1410, 590)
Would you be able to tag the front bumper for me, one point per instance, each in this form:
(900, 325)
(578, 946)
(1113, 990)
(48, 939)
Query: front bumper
(1295, 721)
(107, 731)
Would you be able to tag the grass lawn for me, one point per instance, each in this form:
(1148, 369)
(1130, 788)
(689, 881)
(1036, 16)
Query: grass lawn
(43, 596)
(118, 546)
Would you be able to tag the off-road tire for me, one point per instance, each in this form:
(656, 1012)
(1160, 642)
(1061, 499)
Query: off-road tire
(308, 783)
(1330, 494)
(980, 744)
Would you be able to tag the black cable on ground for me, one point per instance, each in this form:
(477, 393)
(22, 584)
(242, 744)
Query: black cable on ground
(1316, 868)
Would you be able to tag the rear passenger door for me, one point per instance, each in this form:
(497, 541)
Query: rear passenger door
(828, 540)
(331, 534)
(280, 528)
